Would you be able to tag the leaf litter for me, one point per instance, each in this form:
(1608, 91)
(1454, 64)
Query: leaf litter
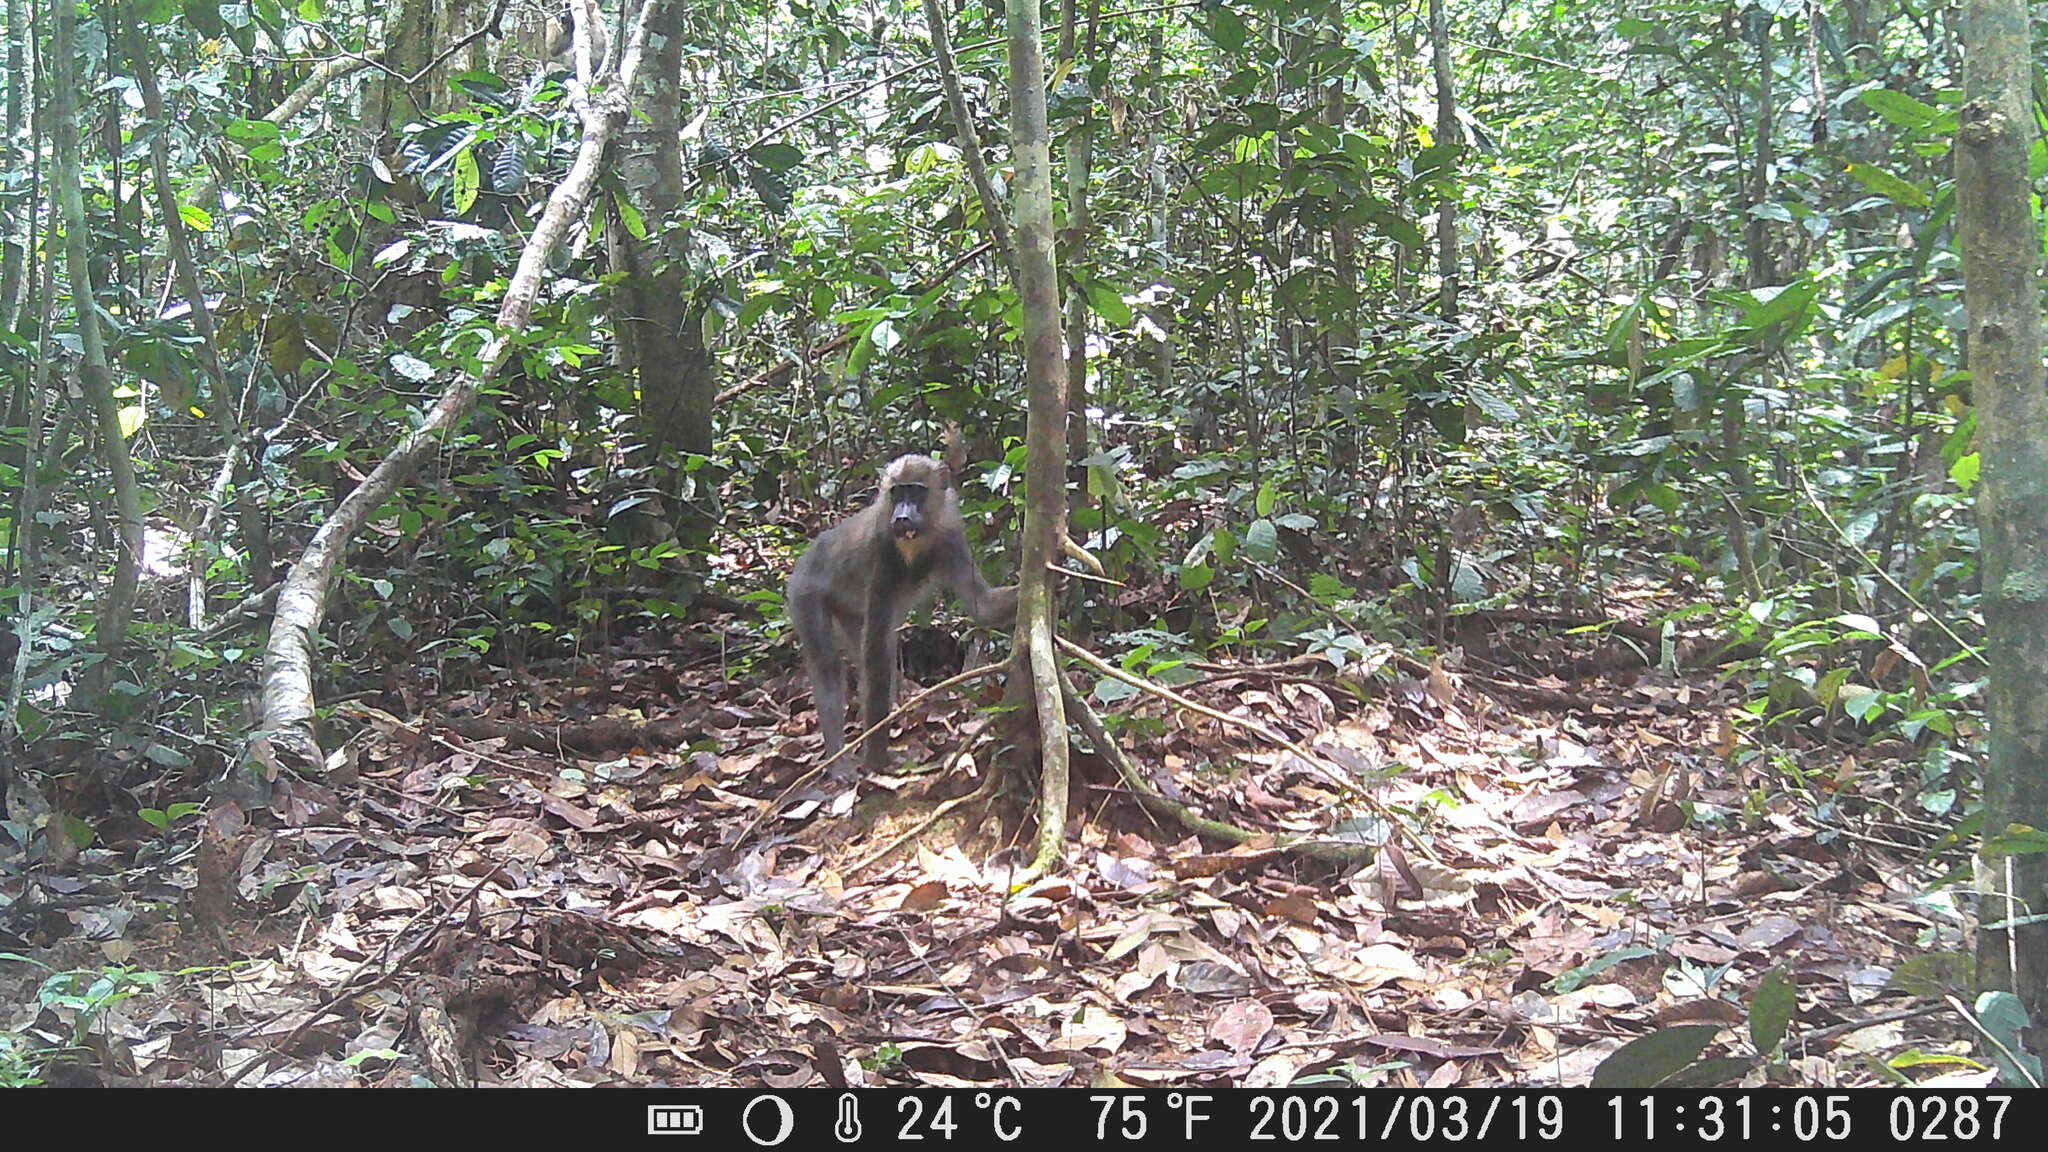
(544, 882)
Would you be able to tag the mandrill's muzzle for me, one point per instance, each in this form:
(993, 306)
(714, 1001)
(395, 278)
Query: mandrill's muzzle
(905, 529)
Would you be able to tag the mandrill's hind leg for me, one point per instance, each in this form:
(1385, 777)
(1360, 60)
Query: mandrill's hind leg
(825, 661)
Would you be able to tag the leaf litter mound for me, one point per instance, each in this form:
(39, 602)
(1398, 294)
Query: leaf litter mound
(579, 880)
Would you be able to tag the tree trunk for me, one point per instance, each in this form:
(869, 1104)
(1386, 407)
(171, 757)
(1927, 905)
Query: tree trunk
(286, 729)
(117, 604)
(1447, 136)
(14, 253)
(994, 219)
(222, 401)
(659, 314)
(1045, 479)
(2000, 242)
(1080, 157)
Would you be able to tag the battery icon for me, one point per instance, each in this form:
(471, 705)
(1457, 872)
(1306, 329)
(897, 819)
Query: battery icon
(674, 1120)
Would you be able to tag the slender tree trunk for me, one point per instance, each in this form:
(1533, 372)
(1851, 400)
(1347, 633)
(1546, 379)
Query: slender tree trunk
(14, 253)
(1045, 480)
(285, 733)
(27, 545)
(2000, 239)
(994, 218)
(222, 402)
(1080, 159)
(117, 604)
(1447, 136)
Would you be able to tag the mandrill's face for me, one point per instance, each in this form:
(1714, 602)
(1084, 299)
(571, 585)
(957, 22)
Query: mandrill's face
(906, 520)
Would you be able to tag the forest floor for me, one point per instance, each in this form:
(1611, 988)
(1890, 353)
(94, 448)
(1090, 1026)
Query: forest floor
(525, 883)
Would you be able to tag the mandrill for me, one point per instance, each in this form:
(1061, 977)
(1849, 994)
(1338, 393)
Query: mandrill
(858, 580)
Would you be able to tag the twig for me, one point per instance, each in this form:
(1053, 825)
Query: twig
(1877, 570)
(349, 987)
(1152, 801)
(1307, 757)
(990, 782)
(1054, 568)
(879, 725)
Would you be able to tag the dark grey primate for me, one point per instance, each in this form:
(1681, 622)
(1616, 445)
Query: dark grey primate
(860, 577)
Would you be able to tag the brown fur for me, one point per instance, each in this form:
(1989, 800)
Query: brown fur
(858, 579)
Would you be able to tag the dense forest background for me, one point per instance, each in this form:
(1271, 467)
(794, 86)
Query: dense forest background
(1529, 592)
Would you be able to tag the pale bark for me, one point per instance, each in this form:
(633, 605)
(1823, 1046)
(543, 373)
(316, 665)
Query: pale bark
(993, 217)
(222, 401)
(14, 253)
(1080, 160)
(316, 82)
(2000, 240)
(286, 728)
(117, 603)
(1045, 429)
(1447, 136)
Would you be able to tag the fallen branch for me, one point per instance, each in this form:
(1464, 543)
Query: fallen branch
(1327, 771)
(286, 727)
(1154, 802)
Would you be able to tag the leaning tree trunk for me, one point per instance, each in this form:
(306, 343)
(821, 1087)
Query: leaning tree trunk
(222, 399)
(1045, 477)
(2001, 249)
(117, 605)
(993, 218)
(286, 728)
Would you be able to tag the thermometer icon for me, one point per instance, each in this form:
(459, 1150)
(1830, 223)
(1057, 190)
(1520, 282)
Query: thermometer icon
(847, 1126)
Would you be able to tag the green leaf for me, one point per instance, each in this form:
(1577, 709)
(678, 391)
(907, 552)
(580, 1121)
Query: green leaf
(1262, 540)
(1964, 472)
(1899, 108)
(2004, 1017)
(2016, 840)
(1263, 503)
(204, 17)
(777, 157)
(167, 756)
(1891, 187)
(1774, 305)
(1195, 577)
(1108, 303)
(1226, 29)
(251, 130)
(467, 179)
(636, 224)
(755, 308)
(78, 831)
(1644, 1061)
(1770, 1011)
(1571, 979)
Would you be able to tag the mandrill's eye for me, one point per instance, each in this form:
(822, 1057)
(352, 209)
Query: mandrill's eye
(908, 494)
